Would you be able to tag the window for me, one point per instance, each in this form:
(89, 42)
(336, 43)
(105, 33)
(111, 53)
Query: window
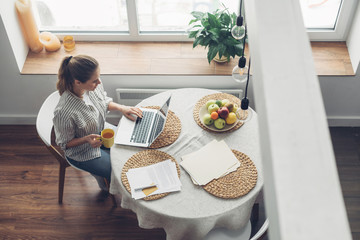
(321, 14)
(167, 20)
(174, 16)
(81, 15)
(162, 20)
(327, 19)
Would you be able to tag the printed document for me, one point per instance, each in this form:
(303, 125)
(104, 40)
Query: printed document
(157, 178)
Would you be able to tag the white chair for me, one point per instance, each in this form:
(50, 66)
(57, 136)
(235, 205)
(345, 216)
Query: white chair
(44, 127)
(243, 234)
(261, 231)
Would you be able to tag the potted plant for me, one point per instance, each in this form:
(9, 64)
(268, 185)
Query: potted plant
(213, 31)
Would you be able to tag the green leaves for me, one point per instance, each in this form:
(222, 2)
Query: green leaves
(225, 19)
(231, 41)
(238, 49)
(205, 23)
(213, 21)
(213, 30)
(214, 34)
(233, 17)
(198, 41)
(197, 15)
(213, 50)
(193, 34)
(222, 49)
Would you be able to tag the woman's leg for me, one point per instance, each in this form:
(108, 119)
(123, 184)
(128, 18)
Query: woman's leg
(100, 166)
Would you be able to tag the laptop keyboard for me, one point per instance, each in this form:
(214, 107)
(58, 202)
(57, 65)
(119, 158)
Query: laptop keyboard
(141, 128)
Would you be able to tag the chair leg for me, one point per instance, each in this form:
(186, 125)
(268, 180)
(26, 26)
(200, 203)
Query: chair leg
(112, 196)
(62, 170)
(255, 213)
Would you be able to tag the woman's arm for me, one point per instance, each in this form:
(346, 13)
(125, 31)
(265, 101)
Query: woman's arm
(92, 139)
(126, 110)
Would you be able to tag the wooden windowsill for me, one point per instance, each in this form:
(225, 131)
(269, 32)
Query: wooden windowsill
(173, 58)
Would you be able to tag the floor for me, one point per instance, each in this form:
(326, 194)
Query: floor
(28, 193)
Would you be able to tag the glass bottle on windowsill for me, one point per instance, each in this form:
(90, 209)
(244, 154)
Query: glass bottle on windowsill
(69, 43)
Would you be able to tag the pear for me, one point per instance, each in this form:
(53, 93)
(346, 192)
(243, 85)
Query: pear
(224, 102)
(230, 106)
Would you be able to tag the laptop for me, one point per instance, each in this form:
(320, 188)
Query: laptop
(143, 131)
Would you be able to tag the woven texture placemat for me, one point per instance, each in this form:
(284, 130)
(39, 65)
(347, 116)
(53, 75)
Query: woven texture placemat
(215, 96)
(171, 131)
(142, 159)
(235, 184)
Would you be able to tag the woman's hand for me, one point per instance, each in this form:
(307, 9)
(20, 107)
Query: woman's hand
(94, 140)
(128, 111)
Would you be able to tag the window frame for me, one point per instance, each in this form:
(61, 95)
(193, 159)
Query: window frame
(340, 32)
(342, 26)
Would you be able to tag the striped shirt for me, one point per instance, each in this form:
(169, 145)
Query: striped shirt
(73, 118)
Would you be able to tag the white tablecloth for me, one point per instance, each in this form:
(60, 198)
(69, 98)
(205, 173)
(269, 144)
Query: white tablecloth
(192, 212)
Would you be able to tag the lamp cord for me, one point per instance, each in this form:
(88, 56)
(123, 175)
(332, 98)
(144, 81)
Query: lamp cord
(244, 42)
(240, 7)
(248, 78)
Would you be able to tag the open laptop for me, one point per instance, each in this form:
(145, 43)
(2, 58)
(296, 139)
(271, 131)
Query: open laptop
(143, 131)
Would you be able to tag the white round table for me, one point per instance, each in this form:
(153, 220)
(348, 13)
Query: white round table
(192, 212)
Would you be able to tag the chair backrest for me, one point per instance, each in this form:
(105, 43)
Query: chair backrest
(261, 231)
(44, 120)
(44, 126)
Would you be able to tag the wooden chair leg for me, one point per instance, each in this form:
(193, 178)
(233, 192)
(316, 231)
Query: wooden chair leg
(112, 196)
(62, 170)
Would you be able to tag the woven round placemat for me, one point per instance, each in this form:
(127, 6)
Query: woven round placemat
(235, 184)
(142, 159)
(215, 96)
(171, 131)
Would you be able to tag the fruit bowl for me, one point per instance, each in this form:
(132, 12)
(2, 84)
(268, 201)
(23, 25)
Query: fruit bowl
(203, 111)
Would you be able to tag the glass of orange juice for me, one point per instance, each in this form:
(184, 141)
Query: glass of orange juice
(69, 43)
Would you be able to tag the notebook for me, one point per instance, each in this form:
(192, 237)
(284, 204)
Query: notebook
(143, 131)
(212, 161)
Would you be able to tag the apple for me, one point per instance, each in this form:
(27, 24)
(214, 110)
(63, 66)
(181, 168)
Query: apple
(229, 106)
(224, 102)
(223, 112)
(218, 102)
(208, 103)
(213, 108)
(231, 119)
(219, 123)
(207, 119)
(235, 107)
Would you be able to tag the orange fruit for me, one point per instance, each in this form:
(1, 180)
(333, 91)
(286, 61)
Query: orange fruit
(214, 115)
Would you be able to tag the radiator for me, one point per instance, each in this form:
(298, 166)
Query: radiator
(132, 96)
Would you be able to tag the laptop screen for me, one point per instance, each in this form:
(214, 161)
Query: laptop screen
(165, 108)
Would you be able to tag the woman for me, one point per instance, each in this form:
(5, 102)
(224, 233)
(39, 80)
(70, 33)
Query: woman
(80, 114)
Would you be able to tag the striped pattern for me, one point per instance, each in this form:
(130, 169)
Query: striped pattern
(75, 119)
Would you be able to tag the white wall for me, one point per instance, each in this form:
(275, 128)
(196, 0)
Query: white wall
(342, 99)
(353, 41)
(21, 95)
(299, 164)
(11, 22)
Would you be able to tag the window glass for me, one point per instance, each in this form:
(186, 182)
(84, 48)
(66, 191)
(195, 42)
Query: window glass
(169, 17)
(81, 15)
(174, 15)
(321, 14)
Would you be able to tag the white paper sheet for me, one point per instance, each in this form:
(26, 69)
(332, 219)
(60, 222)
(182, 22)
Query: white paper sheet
(163, 175)
(212, 161)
